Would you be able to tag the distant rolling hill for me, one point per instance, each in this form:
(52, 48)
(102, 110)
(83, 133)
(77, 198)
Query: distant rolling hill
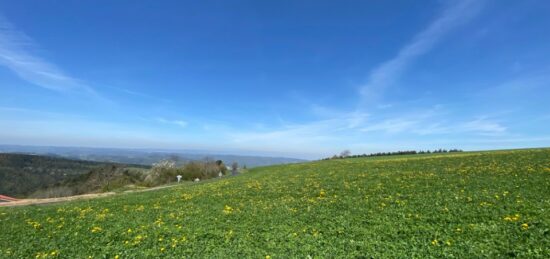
(144, 157)
(22, 174)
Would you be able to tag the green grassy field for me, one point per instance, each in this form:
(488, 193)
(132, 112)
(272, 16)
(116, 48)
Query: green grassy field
(494, 204)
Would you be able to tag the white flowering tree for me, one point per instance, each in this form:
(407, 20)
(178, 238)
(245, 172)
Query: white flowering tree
(162, 172)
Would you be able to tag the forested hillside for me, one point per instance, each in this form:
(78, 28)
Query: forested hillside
(21, 175)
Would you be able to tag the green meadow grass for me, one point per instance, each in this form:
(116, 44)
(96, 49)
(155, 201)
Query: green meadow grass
(487, 204)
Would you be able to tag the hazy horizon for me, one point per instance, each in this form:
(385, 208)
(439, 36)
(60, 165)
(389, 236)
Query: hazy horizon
(304, 79)
(27, 148)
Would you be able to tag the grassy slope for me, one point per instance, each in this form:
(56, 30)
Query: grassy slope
(461, 205)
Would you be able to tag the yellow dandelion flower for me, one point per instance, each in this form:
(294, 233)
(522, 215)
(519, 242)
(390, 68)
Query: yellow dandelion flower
(96, 229)
(524, 226)
(512, 218)
(227, 210)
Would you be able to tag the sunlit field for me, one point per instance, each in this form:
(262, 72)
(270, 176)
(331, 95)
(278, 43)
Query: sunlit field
(494, 204)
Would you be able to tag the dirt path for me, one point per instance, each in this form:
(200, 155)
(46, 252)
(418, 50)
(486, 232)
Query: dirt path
(25, 202)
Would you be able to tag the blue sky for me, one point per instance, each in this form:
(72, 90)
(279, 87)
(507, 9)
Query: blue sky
(295, 78)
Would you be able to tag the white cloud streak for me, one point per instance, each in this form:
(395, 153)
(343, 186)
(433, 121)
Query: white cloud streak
(141, 95)
(483, 126)
(353, 130)
(388, 72)
(180, 123)
(340, 129)
(16, 54)
(431, 125)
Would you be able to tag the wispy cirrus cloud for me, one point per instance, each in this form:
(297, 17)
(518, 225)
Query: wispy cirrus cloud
(483, 126)
(180, 123)
(432, 124)
(141, 94)
(388, 72)
(363, 131)
(344, 128)
(310, 137)
(17, 54)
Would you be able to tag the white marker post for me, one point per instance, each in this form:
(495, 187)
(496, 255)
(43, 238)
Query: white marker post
(179, 178)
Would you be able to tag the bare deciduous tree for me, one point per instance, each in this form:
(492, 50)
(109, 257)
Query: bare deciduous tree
(345, 153)
(234, 168)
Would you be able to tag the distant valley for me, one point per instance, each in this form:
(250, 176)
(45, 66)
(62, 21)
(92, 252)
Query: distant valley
(23, 175)
(41, 172)
(144, 156)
